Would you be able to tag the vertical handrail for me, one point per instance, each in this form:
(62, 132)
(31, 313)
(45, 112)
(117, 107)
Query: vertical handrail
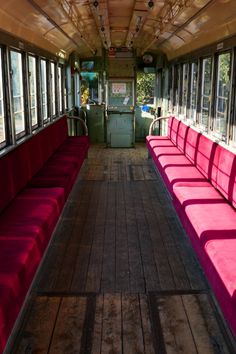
(81, 121)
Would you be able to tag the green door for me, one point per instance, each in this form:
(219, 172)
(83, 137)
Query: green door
(120, 113)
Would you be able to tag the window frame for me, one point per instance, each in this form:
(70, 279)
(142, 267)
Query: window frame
(35, 126)
(217, 133)
(232, 118)
(53, 89)
(177, 88)
(3, 143)
(65, 89)
(24, 96)
(171, 89)
(184, 91)
(205, 127)
(193, 111)
(60, 89)
(46, 118)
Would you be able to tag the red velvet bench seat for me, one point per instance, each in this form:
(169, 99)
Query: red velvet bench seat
(201, 178)
(35, 180)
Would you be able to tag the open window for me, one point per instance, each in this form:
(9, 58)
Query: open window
(89, 88)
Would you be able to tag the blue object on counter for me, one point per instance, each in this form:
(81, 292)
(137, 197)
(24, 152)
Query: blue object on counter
(146, 108)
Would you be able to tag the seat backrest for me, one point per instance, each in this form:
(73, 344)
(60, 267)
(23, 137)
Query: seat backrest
(207, 158)
(6, 182)
(170, 123)
(226, 174)
(181, 136)
(174, 130)
(19, 165)
(191, 145)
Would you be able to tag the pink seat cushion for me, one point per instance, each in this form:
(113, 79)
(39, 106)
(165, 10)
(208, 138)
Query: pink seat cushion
(166, 151)
(60, 175)
(79, 142)
(19, 259)
(221, 272)
(33, 213)
(155, 141)
(7, 316)
(207, 211)
(74, 156)
(182, 173)
(82, 140)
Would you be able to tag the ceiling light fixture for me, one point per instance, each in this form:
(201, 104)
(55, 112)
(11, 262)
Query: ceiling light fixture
(150, 4)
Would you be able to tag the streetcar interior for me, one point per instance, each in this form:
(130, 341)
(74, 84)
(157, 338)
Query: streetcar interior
(118, 136)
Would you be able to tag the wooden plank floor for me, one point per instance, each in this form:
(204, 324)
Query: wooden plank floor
(120, 275)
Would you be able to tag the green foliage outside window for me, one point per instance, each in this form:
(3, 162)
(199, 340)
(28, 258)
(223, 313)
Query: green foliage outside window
(145, 87)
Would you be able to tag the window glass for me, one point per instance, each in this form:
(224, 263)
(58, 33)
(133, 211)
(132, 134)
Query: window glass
(66, 95)
(222, 96)
(53, 90)
(177, 82)
(2, 113)
(205, 92)
(60, 87)
(170, 89)
(33, 91)
(44, 89)
(17, 91)
(89, 87)
(233, 121)
(193, 91)
(67, 89)
(184, 90)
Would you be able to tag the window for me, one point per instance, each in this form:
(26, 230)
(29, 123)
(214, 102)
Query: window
(17, 92)
(193, 91)
(177, 86)
(2, 113)
(53, 90)
(233, 121)
(170, 90)
(33, 91)
(44, 89)
(185, 89)
(205, 92)
(145, 89)
(89, 87)
(67, 89)
(60, 88)
(66, 94)
(222, 95)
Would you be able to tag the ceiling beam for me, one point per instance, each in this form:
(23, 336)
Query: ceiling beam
(55, 25)
(136, 23)
(100, 13)
(70, 12)
(192, 18)
(166, 18)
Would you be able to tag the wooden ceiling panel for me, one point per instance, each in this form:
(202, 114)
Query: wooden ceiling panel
(174, 27)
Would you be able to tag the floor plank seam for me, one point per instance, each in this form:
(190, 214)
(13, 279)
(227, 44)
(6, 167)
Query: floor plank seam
(157, 334)
(88, 328)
